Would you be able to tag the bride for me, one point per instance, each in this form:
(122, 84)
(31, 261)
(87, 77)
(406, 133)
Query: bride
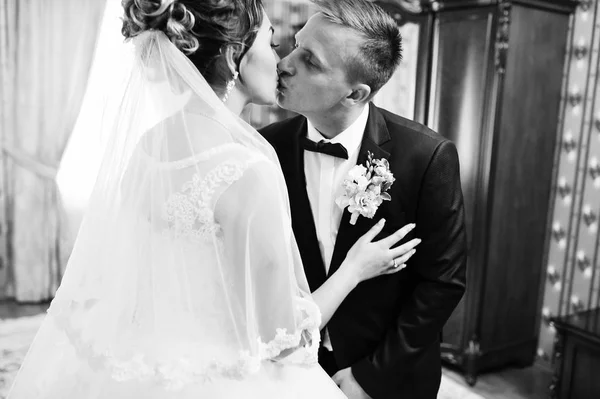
(185, 280)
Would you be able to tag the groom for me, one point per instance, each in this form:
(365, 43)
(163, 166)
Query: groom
(384, 340)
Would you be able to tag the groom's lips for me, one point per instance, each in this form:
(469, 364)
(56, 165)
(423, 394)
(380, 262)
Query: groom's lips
(281, 86)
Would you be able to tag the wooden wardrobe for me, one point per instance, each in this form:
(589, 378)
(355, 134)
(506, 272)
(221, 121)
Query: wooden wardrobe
(489, 77)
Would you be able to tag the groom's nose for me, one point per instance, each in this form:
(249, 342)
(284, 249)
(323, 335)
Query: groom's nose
(285, 67)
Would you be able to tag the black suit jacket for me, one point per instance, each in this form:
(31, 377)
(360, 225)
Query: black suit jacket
(388, 328)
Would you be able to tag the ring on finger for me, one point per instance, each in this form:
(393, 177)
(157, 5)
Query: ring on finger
(395, 264)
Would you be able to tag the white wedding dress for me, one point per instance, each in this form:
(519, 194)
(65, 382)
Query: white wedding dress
(185, 280)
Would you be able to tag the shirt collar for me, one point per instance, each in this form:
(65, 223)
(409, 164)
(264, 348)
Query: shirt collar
(350, 138)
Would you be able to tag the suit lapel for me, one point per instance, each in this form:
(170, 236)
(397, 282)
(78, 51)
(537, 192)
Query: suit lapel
(376, 135)
(302, 216)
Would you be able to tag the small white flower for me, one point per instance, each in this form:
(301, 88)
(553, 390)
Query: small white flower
(375, 189)
(362, 183)
(357, 172)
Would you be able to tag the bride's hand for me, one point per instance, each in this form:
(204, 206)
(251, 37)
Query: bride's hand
(367, 259)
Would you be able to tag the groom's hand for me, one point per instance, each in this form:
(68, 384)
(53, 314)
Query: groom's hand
(348, 384)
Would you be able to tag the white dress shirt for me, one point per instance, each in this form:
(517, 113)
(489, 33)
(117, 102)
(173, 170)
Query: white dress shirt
(324, 177)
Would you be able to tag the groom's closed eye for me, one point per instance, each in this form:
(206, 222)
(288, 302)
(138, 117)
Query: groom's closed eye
(308, 58)
(309, 62)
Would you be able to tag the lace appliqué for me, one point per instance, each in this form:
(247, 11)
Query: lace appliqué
(189, 212)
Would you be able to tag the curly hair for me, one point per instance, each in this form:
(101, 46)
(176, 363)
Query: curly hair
(201, 29)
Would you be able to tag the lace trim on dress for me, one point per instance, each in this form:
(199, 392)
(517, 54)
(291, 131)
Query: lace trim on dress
(307, 354)
(177, 374)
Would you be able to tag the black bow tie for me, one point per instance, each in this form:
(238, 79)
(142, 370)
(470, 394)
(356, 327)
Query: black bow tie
(333, 149)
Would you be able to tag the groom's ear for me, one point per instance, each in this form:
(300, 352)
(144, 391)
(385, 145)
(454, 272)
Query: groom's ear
(360, 94)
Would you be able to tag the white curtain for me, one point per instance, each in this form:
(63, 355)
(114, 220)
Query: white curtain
(46, 49)
(8, 23)
(83, 153)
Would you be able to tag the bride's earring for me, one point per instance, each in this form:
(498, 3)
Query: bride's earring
(230, 86)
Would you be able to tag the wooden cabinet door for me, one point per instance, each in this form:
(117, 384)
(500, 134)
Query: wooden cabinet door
(525, 140)
(461, 101)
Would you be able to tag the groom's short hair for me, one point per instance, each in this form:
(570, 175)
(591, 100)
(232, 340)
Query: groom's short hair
(381, 51)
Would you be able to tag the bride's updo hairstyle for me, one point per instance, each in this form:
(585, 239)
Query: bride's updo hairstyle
(201, 29)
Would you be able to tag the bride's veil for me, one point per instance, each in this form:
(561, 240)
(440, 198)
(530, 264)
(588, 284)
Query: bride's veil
(185, 269)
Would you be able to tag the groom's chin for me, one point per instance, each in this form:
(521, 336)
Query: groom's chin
(281, 101)
(284, 102)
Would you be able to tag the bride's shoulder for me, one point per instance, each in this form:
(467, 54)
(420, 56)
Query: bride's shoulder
(234, 153)
(215, 141)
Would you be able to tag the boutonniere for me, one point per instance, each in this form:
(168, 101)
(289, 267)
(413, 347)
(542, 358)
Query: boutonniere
(366, 188)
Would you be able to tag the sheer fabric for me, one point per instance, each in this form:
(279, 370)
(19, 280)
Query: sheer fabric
(185, 279)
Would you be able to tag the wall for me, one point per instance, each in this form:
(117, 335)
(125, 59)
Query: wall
(573, 275)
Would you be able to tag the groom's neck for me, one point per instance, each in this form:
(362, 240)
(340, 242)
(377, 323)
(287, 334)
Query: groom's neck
(333, 122)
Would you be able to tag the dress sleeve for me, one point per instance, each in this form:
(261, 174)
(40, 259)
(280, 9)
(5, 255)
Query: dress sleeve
(268, 288)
